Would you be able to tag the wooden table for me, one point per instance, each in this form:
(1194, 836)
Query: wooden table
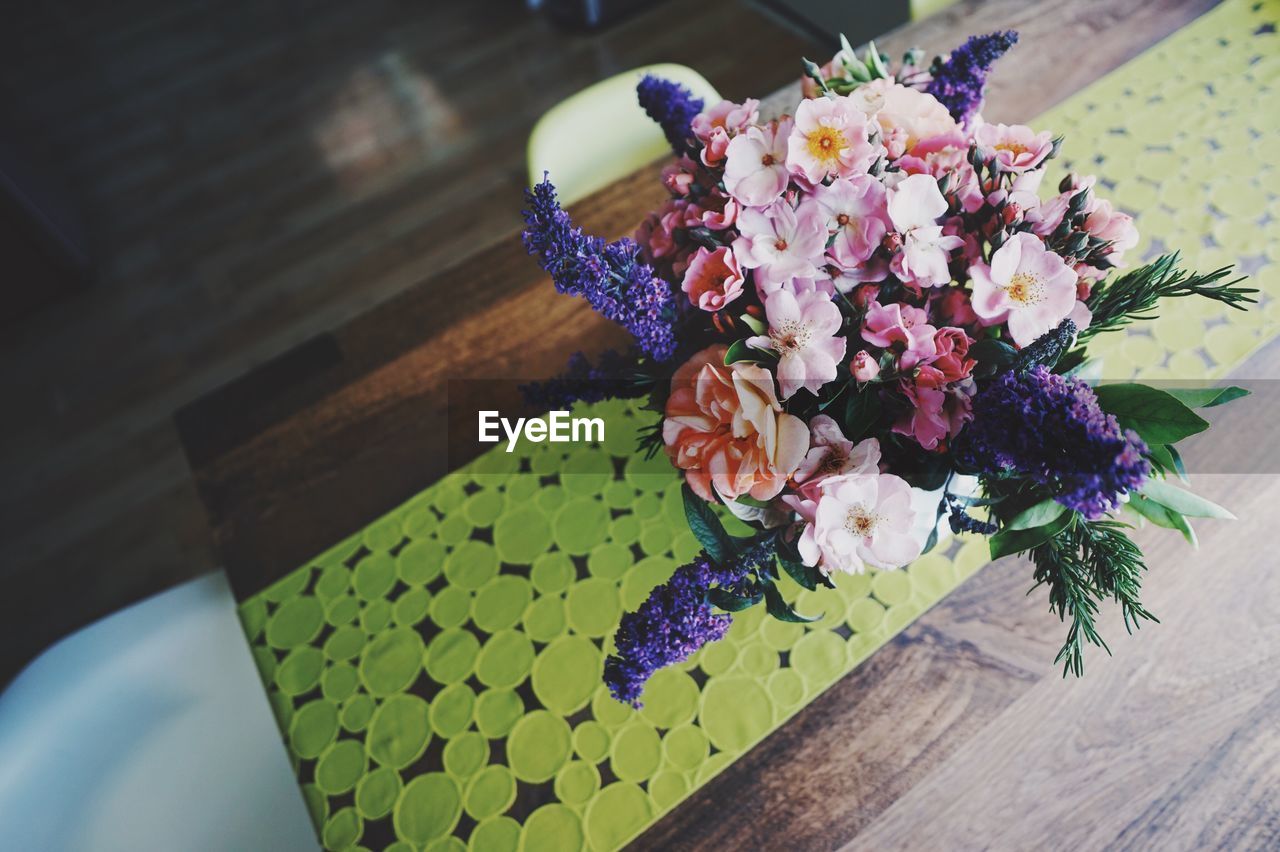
(958, 733)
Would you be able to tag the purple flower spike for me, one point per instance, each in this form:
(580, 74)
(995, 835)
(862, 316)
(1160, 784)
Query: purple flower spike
(959, 82)
(1050, 428)
(672, 106)
(675, 621)
(610, 276)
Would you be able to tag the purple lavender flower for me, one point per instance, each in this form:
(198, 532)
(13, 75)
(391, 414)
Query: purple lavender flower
(585, 382)
(1051, 429)
(672, 106)
(610, 276)
(674, 622)
(960, 81)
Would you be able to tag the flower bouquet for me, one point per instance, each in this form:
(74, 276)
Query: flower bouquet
(867, 314)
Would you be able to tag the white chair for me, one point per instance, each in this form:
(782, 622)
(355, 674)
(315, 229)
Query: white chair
(601, 134)
(149, 730)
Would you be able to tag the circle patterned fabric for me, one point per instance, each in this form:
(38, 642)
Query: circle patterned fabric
(437, 675)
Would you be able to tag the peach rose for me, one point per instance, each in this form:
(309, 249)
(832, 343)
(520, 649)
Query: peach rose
(726, 430)
(905, 115)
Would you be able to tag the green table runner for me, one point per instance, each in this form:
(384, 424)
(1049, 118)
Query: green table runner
(437, 675)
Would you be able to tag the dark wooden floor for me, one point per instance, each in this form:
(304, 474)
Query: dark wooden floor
(251, 174)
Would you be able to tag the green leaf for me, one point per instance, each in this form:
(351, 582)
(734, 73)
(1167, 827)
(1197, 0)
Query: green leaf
(1161, 456)
(1145, 507)
(1177, 463)
(1015, 541)
(1184, 527)
(740, 351)
(993, 353)
(932, 541)
(1207, 397)
(707, 527)
(1159, 417)
(753, 323)
(874, 63)
(782, 610)
(807, 576)
(860, 413)
(1182, 501)
(729, 602)
(1039, 515)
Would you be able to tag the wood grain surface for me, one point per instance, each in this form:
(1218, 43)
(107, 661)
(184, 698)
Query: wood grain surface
(253, 175)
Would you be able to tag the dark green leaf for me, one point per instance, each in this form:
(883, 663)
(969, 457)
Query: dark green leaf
(1159, 417)
(993, 353)
(1177, 462)
(782, 610)
(729, 602)
(1015, 541)
(860, 413)
(740, 351)
(805, 575)
(932, 541)
(707, 527)
(1161, 457)
(1207, 397)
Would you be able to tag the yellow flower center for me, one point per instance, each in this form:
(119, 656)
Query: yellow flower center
(825, 144)
(860, 522)
(1025, 288)
(1013, 148)
(790, 336)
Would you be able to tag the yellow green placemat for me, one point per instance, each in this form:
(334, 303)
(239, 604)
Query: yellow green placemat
(437, 675)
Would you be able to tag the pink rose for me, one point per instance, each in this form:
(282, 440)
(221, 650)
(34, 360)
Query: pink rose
(863, 366)
(935, 414)
(1017, 148)
(725, 428)
(902, 329)
(715, 126)
(832, 454)
(860, 520)
(1026, 286)
(829, 139)
(905, 115)
(803, 330)
(713, 279)
(780, 244)
(951, 361)
(755, 171)
(924, 251)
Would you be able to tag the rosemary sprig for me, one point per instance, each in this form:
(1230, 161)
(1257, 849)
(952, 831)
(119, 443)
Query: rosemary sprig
(1082, 566)
(1134, 295)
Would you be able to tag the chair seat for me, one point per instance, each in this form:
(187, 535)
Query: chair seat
(602, 134)
(149, 730)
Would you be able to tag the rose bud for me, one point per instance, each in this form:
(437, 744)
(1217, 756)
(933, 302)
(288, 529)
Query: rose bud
(863, 366)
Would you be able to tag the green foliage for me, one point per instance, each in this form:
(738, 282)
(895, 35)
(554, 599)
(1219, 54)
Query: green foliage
(1159, 417)
(1183, 502)
(1134, 295)
(781, 610)
(730, 602)
(1207, 397)
(1083, 566)
(861, 412)
(1009, 541)
(740, 351)
(707, 527)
